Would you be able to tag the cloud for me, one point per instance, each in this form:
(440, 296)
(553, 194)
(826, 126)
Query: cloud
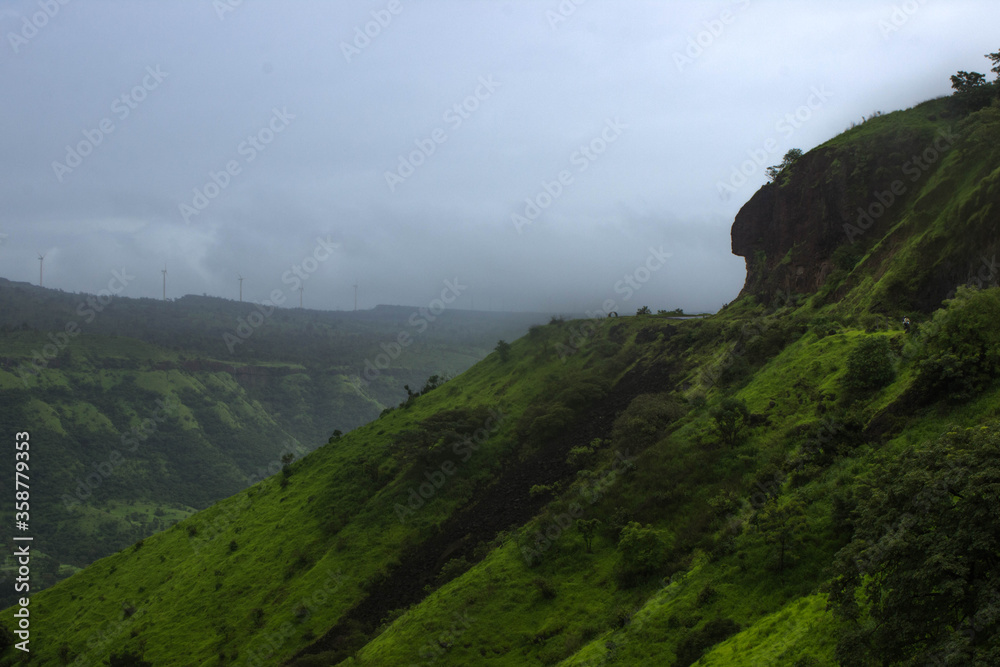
(207, 127)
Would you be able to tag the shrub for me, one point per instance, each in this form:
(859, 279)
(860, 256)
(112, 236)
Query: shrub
(846, 257)
(871, 322)
(641, 424)
(128, 659)
(643, 551)
(539, 490)
(694, 644)
(870, 364)
(730, 419)
(503, 350)
(705, 595)
(579, 456)
(545, 589)
(453, 569)
(962, 350)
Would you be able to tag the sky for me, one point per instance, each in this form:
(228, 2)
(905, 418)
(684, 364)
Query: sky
(560, 156)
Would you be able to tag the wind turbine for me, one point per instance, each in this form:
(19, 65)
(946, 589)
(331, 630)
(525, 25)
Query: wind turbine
(41, 261)
(164, 272)
(241, 287)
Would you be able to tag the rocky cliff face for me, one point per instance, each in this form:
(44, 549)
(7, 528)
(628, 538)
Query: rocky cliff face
(851, 194)
(788, 232)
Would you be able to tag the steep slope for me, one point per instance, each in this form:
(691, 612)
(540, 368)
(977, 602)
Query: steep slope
(641, 490)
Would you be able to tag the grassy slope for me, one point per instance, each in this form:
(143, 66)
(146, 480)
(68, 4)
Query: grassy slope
(304, 554)
(287, 546)
(949, 211)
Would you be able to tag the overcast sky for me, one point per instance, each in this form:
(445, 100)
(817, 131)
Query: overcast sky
(225, 138)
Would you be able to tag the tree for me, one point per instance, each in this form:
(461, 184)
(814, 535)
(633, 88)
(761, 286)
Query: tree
(791, 157)
(730, 418)
(643, 550)
(588, 528)
(503, 349)
(644, 311)
(919, 582)
(962, 352)
(782, 525)
(967, 82)
(995, 59)
(972, 90)
(870, 364)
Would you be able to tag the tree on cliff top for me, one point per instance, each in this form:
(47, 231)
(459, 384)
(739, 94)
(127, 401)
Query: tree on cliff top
(791, 157)
(972, 88)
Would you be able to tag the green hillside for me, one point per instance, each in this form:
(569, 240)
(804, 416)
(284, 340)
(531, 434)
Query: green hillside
(141, 417)
(793, 481)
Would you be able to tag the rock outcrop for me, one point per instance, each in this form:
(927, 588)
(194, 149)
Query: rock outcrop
(851, 194)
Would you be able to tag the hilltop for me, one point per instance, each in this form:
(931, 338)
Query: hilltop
(789, 482)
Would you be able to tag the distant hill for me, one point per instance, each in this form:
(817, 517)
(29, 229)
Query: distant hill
(142, 416)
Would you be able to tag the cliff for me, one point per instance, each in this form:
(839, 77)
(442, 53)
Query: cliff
(868, 219)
